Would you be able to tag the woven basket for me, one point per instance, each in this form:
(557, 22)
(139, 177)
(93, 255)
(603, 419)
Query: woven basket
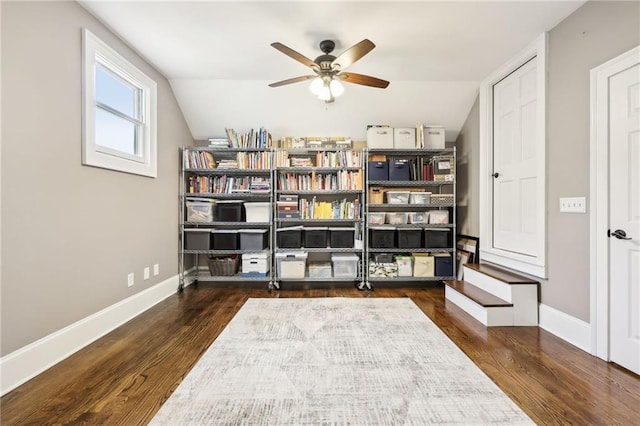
(223, 266)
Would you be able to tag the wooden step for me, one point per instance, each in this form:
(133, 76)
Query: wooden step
(500, 274)
(478, 295)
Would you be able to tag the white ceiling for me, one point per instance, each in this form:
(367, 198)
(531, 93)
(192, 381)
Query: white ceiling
(434, 54)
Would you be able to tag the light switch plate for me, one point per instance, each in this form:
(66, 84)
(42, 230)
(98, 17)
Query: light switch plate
(573, 205)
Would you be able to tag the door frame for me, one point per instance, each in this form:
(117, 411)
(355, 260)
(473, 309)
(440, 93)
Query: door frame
(536, 266)
(599, 193)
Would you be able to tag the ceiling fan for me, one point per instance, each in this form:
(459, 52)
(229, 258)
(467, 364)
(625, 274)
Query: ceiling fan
(328, 69)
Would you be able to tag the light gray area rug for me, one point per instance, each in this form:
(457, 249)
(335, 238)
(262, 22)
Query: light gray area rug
(336, 361)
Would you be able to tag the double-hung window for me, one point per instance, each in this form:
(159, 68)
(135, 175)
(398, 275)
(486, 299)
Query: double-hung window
(119, 112)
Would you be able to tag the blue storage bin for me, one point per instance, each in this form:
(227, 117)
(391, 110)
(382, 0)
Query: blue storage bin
(399, 170)
(378, 170)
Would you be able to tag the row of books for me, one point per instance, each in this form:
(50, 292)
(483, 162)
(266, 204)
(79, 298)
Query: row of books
(345, 158)
(337, 209)
(342, 180)
(200, 159)
(228, 185)
(259, 138)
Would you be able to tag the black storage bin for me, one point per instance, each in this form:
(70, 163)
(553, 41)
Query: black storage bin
(443, 266)
(382, 237)
(229, 211)
(378, 170)
(224, 239)
(437, 238)
(409, 237)
(342, 237)
(315, 237)
(399, 170)
(197, 239)
(289, 237)
(382, 257)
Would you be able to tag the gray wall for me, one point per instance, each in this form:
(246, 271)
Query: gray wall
(70, 233)
(468, 169)
(592, 35)
(595, 33)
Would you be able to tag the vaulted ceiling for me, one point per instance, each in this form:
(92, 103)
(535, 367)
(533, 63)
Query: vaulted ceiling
(218, 58)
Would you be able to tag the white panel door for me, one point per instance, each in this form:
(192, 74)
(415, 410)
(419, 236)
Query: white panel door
(624, 217)
(514, 161)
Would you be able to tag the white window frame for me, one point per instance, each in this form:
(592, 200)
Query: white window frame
(95, 51)
(537, 265)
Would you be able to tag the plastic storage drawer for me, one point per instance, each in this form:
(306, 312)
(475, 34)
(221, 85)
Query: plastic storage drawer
(399, 170)
(320, 270)
(418, 217)
(378, 170)
(397, 218)
(290, 237)
(409, 238)
(342, 237)
(228, 211)
(315, 237)
(398, 197)
(437, 238)
(199, 210)
(345, 265)
(382, 237)
(197, 239)
(376, 218)
(257, 212)
(420, 197)
(253, 239)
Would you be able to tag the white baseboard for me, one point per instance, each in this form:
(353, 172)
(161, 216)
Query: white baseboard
(31, 360)
(566, 327)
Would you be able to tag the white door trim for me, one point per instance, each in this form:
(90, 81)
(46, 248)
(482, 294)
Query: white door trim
(599, 193)
(535, 266)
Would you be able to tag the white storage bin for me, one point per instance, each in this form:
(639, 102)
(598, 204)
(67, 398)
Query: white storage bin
(405, 266)
(199, 210)
(291, 265)
(380, 137)
(398, 197)
(255, 265)
(258, 212)
(320, 270)
(404, 138)
(397, 218)
(376, 218)
(345, 265)
(420, 198)
(418, 217)
(433, 137)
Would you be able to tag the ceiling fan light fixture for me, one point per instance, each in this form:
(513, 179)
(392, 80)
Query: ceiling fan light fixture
(325, 93)
(336, 88)
(316, 86)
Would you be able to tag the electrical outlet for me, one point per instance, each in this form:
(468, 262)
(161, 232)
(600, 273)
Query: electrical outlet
(156, 269)
(146, 273)
(130, 279)
(573, 205)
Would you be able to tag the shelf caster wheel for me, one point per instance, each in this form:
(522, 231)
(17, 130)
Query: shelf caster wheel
(276, 285)
(361, 285)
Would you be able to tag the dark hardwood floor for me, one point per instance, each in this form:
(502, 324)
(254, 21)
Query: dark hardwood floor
(124, 377)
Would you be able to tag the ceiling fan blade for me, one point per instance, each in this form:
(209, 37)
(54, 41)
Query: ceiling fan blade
(365, 80)
(295, 55)
(353, 53)
(292, 80)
